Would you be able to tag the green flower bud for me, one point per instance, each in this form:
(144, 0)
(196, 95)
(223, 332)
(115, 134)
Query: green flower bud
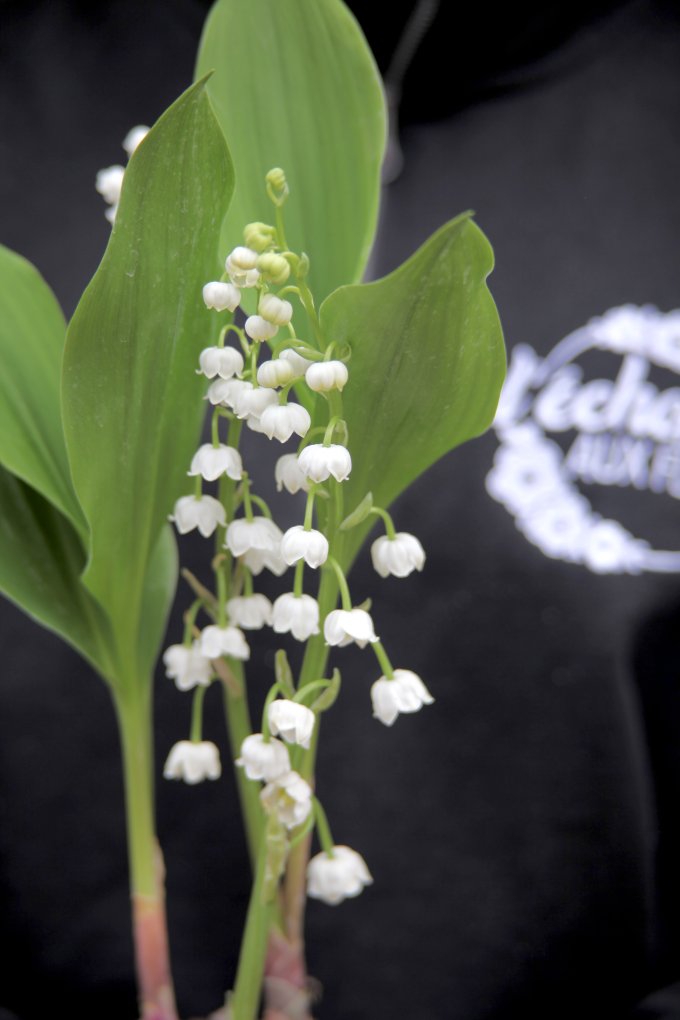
(277, 185)
(273, 267)
(259, 236)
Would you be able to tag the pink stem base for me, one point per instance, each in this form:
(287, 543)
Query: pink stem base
(287, 989)
(156, 995)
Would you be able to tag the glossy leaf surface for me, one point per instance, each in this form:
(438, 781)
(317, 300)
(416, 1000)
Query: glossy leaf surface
(132, 400)
(295, 86)
(427, 363)
(41, 559)
(32, 331)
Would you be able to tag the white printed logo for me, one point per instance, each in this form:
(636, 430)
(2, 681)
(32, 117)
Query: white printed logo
(627, 434)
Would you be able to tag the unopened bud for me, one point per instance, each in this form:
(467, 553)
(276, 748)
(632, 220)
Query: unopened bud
(277, 185)
(258, 236)
(275, 310)
(274, 268)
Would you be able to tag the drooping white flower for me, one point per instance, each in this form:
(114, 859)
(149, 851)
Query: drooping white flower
(216, 641)
(187, 666)
(342, 626)
(319, 462)
(292, 721)
(288, 475)
(398, 556)
(252, 612)
(193, 761)
(227, 392)
(202, 512)
(405, 693)
(280, 421)
(109, 183)
(289, 797)
(221, 296)
(275, 310)
(134, 138)
(225, 362)
(240, 265)
(334, 879)
(210, 462)
(275, 372)
(323, 376)
(296, 361)
(251, 401)
(260, 329)
(260, 534)
(257, 560)
(296, 614)
(111, 212)
(308, 545)
(262, 759)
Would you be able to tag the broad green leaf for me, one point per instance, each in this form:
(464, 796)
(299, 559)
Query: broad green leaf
(41, 559)
(157, 596)
(426, 367)
(32, 331)
(131, 398)
(295, 86)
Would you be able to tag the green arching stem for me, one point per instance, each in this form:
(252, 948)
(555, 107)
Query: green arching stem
(389, 523)
(247, 505)
(197, 714)
(329, 350)
(330, 429)
(242, 1005)
(239, 727)
(273, 691)
(309, 510)
(381, 656)
(198, 487)
(345, 596)
(222, 593)
(299, 576)
(323, 828)
(190, 620)
(247, 582)
(262, 505)
(216, 427)
(254, 353)
(309, 688)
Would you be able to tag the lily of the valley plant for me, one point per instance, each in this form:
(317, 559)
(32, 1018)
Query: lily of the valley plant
(232, 285)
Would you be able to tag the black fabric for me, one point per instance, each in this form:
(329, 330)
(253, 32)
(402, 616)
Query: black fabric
(522, 831)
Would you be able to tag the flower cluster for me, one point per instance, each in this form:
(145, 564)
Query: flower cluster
(256, 377)
(109, 181)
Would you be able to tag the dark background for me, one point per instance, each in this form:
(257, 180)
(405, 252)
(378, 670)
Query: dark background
(523, 830)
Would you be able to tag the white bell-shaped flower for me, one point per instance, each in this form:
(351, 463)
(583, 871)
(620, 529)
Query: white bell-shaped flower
(308, 545)
(251, 401)
(252, 612)
(292, 721)
(260, 329)
(275, 309)
(338, 877)
(240, 265)
(110, 213)
(289, 797)
(187, 666)
(342, 626)
(398, 556)
(258, 560)
(225, 362)
(288, 475)
(280, 421)
(226, 392)
(262, 759)
(296, 362)
(324, 376)
(211, 462)
(221, 296)
(193, 761)
(202, 512)
(319, 462)
(216, 641)
(109, 183)
(260, 534)
(297, 615)
(275, 372)
(406, 692)
(134, 138)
